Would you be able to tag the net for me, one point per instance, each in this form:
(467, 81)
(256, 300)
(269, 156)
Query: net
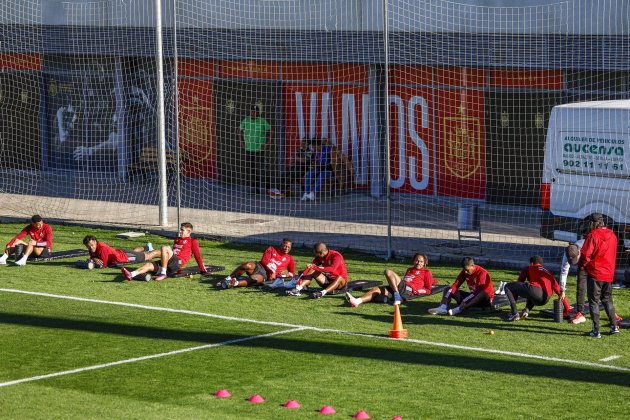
(321, 120)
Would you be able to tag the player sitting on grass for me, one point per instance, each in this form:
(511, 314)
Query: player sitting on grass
(328, 268)
(172, 260)
(39, 244)
(480, 285)
(274, 262)
(417, 281)
(537, 291)
(103, 255)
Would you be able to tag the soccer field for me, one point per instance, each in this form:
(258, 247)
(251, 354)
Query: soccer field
(85, 344)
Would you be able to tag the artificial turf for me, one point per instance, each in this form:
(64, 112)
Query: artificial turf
(342, 358)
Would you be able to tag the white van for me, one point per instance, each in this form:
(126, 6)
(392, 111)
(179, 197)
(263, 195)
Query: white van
(587, 169)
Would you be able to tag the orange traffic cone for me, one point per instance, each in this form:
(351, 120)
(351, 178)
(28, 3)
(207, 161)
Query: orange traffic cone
(397, 330)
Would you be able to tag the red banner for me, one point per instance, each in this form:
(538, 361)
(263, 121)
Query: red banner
(249, 69)
(542, 79)
(196, 137)
(304, 71)
(461, 156)
(411, 140)
(460, 76)
(195, 68)
(20, 61)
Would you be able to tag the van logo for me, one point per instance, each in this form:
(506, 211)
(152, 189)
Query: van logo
(462, 154)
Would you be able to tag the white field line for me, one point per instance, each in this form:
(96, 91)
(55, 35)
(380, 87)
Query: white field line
(609, 358)
(148, 357)
(329, 330)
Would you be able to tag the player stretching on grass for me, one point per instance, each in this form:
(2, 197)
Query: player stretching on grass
(274, 262)
(417, 281)
(480, 285)
(103, 255)
(537, 290)
(39, 244)
(328, 268)
(172, 260)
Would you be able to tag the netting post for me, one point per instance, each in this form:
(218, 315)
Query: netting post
(163, 201)
(176, 111)
(386, 121)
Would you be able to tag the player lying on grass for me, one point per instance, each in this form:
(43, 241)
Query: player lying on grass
(39, 244)
(328, 269)
(103, 255)
(537, 289)
(275, 262)
(172, 260)
(418, 281)
(480, 285)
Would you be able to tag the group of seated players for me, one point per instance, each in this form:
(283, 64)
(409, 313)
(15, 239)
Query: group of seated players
(328, 269)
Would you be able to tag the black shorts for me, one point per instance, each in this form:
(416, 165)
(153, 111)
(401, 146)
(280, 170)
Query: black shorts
(172, 268)
(387, 292)
(45, 253)
(135, 256)
(260, 270)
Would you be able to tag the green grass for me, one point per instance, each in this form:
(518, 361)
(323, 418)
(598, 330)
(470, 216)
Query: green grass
(43, 335)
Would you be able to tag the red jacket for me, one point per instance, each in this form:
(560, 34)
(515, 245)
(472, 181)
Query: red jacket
(599, 254)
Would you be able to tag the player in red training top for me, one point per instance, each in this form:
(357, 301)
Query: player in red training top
(328, 268)
(39, 244)
(537, 290)
(172, 260)
(275, 262)
(418, 281)
(103, 255)
(599, 258)
(480, 285)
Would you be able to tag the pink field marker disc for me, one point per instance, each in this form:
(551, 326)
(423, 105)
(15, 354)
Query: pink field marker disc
(222, 393)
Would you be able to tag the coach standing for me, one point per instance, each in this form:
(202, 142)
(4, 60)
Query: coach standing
(598, 258)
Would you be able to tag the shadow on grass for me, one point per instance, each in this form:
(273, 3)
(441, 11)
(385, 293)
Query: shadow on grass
(470, 361)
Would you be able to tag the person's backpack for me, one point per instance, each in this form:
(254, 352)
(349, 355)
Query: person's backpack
(573, 254)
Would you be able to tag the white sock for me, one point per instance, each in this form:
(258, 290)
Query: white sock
(134, 273)
(298, 287)
(357, 301)
(162, 270)
(4, 256)
(324, 292)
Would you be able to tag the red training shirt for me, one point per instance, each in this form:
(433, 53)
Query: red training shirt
(540, 277)
(599, 254)
(478, 282)
(109, 255)
(275, 261)
(43, 235)
(419, 279)
(184, 248)
(333, 264)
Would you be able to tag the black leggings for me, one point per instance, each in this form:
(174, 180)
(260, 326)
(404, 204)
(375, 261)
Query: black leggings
(536, 296)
